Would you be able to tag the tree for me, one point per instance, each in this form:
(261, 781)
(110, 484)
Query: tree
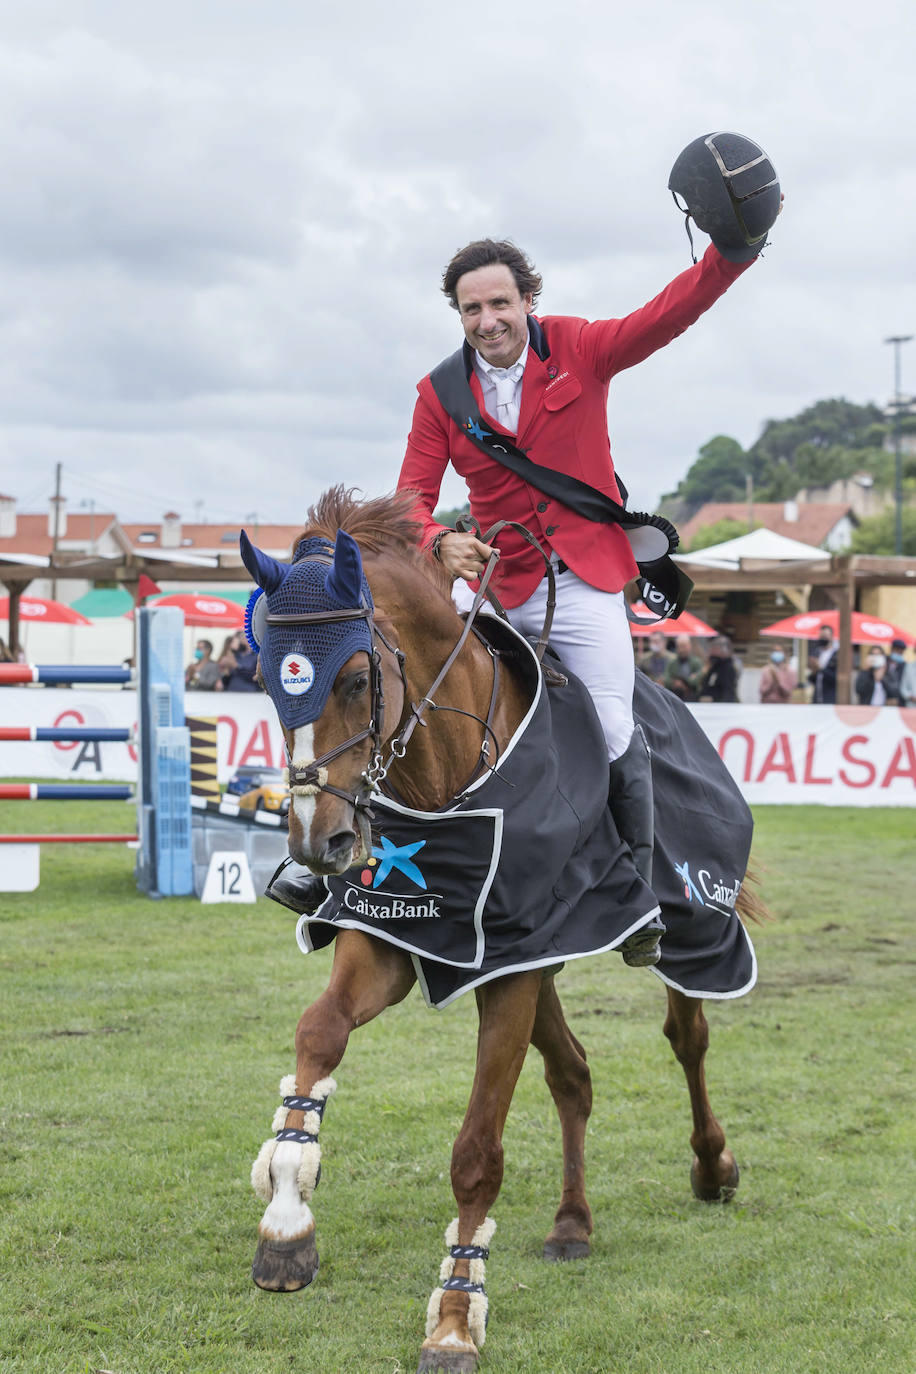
(877, 534)
(450, 517)
(719, 474)
(814, 441)
(830, 439)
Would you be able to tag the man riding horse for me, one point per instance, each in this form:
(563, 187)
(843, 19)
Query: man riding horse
(541, 386)
(542, 382)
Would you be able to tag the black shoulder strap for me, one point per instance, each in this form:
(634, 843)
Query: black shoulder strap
(664, 587)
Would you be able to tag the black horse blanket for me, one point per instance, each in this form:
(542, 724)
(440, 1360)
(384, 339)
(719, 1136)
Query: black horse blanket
(526, 869)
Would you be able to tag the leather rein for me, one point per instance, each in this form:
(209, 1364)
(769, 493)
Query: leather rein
(311, 778)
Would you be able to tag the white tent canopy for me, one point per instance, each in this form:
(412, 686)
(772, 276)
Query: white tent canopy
(761, 545)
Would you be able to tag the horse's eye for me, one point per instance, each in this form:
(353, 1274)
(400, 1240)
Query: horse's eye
(359, 685)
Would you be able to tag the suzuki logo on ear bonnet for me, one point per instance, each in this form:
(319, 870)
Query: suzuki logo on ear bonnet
(299, 663)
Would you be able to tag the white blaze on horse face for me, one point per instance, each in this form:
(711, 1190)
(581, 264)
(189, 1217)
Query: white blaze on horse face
(303, 808)
(287, 1217)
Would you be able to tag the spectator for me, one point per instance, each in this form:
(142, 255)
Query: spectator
(822, 667)
(777, 680)
(655, 663)
(871, 681)
(238, 665)
(908, 684)
(685, 670)
(894, 675)
(203, 673)
(720, 682)
(5, 655)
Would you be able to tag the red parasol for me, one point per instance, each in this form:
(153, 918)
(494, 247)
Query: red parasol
(866, 629)
(686, 624)
(204, 608)
(40, 608)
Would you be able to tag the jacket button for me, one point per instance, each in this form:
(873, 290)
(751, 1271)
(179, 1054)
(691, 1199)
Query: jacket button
(542, 506)
(551, 529)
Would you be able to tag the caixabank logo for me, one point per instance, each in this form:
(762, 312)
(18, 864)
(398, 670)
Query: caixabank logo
(389, 888)
(707, 890)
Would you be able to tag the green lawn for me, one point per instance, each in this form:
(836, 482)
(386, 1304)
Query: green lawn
(142, 1047)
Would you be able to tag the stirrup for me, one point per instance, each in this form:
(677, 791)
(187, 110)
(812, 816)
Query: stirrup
(642, 948)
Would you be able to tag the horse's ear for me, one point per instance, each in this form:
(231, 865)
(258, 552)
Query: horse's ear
(345, 580)
(266, 571)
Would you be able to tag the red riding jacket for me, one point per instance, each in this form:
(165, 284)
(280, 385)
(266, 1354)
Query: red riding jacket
(562, 425)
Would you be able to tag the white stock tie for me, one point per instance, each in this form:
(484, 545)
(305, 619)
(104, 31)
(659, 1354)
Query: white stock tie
(505, 379)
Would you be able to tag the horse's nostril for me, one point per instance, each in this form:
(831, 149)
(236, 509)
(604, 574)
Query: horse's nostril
(340, 846)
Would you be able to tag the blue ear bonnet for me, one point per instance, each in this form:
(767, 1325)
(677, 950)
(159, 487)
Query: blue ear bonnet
(299, 663)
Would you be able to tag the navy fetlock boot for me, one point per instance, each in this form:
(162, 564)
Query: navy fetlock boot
(631, 805)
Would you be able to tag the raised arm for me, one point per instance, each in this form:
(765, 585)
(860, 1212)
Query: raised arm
(610, 346)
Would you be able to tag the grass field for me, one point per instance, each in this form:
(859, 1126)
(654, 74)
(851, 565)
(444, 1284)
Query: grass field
(142, 1046)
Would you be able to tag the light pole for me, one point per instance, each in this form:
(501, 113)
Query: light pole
(898, 340)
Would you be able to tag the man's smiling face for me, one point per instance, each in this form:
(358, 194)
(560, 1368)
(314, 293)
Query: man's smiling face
(494, 314)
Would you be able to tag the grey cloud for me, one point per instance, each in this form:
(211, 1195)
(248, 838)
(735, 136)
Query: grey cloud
(219, 268)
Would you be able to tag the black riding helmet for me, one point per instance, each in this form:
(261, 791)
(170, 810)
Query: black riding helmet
(729, 187)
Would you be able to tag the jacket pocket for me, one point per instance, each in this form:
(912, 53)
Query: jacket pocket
(561, 391)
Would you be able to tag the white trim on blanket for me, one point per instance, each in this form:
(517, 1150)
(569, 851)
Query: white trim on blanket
(426, 817)
(545, 962)
(718, 996)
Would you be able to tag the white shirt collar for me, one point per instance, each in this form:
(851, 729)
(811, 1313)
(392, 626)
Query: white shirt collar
(515, 369)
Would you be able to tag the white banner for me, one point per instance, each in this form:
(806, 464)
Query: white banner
(248, 731)
(833, 755)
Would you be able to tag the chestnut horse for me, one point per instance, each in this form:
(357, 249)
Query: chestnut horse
(335, 762)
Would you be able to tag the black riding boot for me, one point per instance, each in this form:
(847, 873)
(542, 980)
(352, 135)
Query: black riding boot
(301, 891)
(630, 801)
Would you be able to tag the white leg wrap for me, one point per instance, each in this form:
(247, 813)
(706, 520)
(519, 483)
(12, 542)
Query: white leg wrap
(477, 1302)
(305, 1158)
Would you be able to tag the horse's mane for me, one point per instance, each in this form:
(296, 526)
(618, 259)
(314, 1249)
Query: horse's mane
(377, 524)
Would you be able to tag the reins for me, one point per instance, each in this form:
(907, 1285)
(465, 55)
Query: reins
(310, 778)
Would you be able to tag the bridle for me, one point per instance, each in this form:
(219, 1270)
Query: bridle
(309, 779)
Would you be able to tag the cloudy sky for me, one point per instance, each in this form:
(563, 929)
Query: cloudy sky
(224, 222)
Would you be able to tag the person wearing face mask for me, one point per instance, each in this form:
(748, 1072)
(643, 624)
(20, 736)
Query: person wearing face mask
(720, 682)
(203, 673)
(685, 671)
(777, 680)
(871, 681)
(656, 662)
(238, 665)
(822, 667)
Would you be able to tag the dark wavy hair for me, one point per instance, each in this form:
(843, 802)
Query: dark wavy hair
(485, 253)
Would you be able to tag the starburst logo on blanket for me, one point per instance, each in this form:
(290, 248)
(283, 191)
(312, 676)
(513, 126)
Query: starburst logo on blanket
(708, 891)
(691, 891)
(387, 858)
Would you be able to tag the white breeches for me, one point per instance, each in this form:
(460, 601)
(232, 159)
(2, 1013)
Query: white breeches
(591, 634)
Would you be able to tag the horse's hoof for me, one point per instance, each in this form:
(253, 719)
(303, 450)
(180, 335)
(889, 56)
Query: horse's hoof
(454, 1361)
(285, 1266)
(566, 1250)
(717, 1190)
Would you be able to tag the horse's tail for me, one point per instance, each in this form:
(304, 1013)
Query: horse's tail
(750, 905)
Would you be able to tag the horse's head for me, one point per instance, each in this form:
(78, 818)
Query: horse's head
(328, 672)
